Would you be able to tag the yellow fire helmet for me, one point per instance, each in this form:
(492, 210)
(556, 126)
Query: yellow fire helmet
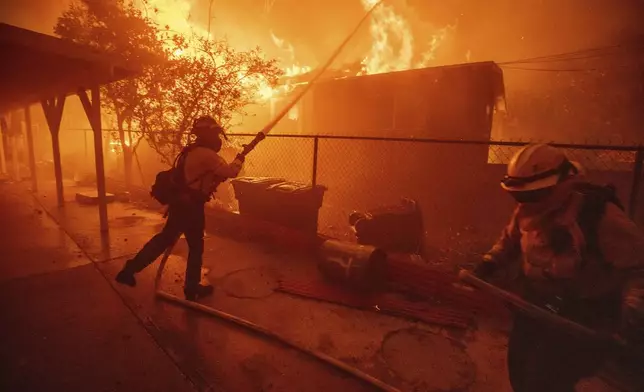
(538, 166)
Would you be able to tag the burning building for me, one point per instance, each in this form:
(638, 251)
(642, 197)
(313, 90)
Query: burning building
(450, 102)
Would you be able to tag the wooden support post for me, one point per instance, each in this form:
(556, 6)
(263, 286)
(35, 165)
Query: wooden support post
(93, 111)
(636, 184)
(30, 148)
(15, 161)
(53, 108)
(3, 162)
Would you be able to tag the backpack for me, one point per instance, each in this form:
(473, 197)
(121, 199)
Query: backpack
(596, 197)
(168, 184)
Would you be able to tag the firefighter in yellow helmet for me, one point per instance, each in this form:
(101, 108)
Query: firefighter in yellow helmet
(579, 255)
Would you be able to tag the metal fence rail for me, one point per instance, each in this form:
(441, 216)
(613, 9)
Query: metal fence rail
(594, 157)
(455, 182)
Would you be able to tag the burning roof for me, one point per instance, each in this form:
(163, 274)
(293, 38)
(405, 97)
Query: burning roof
(455, 101)
(393, 46)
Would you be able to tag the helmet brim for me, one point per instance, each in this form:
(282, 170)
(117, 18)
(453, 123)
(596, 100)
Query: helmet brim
(542, 183)
(533, 186)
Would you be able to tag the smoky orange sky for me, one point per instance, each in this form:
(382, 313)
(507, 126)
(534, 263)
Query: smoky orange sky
(497, 30)
(490, 30)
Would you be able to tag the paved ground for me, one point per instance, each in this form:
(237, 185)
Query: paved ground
(64, 327)
(72, 328)
(217, 355)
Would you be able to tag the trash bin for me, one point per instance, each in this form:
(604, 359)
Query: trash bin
(286, 203)
(249, 192)
(295, 205)
(396, 228)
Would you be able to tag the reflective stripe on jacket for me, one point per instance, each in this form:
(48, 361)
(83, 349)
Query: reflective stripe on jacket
(552, 249)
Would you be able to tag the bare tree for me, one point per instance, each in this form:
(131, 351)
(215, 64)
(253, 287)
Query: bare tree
(118, 28)
(214, 79)
(183, 77)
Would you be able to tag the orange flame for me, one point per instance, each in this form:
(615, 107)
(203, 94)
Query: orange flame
(115, 145)
(295, 68)
(173, 15)
(267, 92)
(386, 28)
(392, 48)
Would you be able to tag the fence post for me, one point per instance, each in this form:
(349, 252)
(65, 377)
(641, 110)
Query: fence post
(314, 175)
(637, 178)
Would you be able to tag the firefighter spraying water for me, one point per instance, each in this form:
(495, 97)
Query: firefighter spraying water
(581, 257)
(185, 189)
(189, 184)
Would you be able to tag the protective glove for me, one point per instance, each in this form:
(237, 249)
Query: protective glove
(486, 268)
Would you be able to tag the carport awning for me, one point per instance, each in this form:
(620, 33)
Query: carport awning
(38, 68)
(35, 66)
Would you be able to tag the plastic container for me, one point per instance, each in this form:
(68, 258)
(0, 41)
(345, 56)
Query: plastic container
(295, 205)
(286, 203)
(250, 185)
(393, 228)
(360, 267)
(249, 192)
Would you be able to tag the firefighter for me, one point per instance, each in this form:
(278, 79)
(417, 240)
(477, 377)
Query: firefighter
(203, 170)
(576, 252)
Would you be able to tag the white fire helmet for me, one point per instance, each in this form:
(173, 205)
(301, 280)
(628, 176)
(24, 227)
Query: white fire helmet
(538, 166)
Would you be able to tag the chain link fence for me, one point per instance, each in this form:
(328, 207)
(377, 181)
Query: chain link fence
(454, 182)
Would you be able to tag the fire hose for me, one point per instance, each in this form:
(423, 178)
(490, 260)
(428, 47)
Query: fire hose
(623, 380)
(248, 324)
(261, 135)
(264, 331)
(535, 312)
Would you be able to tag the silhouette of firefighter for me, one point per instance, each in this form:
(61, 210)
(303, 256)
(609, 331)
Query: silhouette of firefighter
(186, 188)
(580, 256)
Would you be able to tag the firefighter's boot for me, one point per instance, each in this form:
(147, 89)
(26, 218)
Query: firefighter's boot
(126, 275)
(197, 292)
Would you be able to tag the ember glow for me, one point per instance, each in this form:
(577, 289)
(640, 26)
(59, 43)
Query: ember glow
(387, 26)
(115, 145)
(294, 68)
(393, 46)
(174, 15)
(291, 68)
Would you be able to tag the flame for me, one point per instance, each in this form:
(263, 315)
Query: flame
(295, 68)
(294, 113)
(267, 92)
(173, 15)
(434, 43)
(392, 46)
(392, 49)
(115, 145)
(385, 27)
